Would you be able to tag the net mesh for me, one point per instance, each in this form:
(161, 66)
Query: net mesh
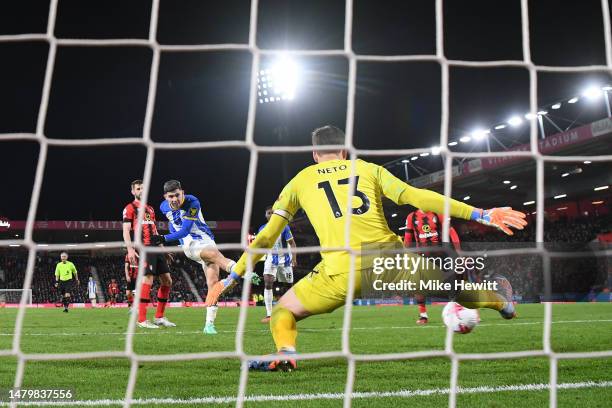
(345, 353)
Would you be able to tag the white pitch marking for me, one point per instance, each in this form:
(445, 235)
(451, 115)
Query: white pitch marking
(325, 396)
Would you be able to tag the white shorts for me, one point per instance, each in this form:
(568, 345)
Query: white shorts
(194, 247)
(281, 273)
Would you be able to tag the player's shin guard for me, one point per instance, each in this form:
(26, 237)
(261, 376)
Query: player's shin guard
(145, 299)
(162, 300)
(268, 296)
(422, 308)
(211, 314)
(284, 328)
(476, 299)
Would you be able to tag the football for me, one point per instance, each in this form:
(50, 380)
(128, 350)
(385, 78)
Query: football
(460, 319)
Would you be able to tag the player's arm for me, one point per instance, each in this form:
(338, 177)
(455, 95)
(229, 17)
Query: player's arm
(284, 208)
(402, 193)
(182, 233)
(127, 271)
(191, 215)
(291, 244)
(57, 274)
(264, 240)
(128, 216)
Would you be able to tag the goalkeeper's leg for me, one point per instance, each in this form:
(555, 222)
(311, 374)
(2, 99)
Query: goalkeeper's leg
(500, 299)
(315, 294)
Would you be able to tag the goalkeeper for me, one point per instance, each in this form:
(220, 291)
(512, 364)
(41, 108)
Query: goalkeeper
(322, 191)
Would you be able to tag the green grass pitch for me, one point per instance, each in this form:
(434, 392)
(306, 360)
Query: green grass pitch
(375, 330)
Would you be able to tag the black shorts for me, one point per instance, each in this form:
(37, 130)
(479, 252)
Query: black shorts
(65, 286)
(156, 265)
(131, 285)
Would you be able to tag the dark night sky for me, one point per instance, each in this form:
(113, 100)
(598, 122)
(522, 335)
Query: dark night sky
(101, 92)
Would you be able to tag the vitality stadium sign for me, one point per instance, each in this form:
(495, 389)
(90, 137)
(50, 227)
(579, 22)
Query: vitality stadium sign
(109, 225)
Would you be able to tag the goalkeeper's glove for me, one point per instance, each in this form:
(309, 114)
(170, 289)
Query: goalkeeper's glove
(255, 279)
(501, 218)
(157, 240)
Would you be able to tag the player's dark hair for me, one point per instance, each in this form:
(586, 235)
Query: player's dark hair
(135, 182)
(327, 135)
(172, 185)
(268, 208)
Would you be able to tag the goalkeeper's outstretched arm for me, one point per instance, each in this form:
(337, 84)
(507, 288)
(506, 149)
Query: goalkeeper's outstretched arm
(501, 218)
(402, 193)
(265, 239)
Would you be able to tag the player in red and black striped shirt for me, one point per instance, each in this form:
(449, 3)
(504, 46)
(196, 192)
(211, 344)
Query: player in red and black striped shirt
(424, 229)
(113, 291)
(155, 264)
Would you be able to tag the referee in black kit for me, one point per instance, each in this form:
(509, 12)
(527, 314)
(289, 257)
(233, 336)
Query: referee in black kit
(65, 271)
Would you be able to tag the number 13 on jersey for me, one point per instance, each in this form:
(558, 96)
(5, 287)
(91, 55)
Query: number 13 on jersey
(333, 202)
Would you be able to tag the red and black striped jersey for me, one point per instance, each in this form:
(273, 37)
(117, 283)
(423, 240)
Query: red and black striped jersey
(425, 229)
(132, 269)
(130, 214)
(113, 289)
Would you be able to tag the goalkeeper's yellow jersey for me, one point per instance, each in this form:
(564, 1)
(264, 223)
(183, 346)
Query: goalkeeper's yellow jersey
(322, 191)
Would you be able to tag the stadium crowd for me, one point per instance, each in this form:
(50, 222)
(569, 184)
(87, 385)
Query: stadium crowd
(580, 274)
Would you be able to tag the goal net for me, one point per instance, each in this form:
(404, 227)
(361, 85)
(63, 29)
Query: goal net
(14, 296)
(455, 358)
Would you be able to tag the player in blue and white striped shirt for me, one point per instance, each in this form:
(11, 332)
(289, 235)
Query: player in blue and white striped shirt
(92, 290)
(277, 266)
(187, 225)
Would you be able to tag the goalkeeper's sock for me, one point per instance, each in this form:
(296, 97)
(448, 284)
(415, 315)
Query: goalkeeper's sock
(422, 310)
(476, 299)
(145, 299)
(162, 300)
(268, 296)
(211, 314)
(230, 266)
(284, 328)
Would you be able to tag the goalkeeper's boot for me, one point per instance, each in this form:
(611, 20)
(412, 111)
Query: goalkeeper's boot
(504, 289)
(284, 364)
(422, 320)
(147, 325)
(163, 321)
(209, 328)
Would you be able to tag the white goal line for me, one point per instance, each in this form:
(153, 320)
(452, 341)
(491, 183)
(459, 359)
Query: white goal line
(405, 393)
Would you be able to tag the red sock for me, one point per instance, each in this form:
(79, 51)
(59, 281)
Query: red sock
(145, 294)
(130, 299)
(162, 299)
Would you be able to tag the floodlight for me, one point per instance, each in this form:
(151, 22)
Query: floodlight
(515, 121)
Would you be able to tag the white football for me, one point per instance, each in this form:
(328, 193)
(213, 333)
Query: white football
(460, 319)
